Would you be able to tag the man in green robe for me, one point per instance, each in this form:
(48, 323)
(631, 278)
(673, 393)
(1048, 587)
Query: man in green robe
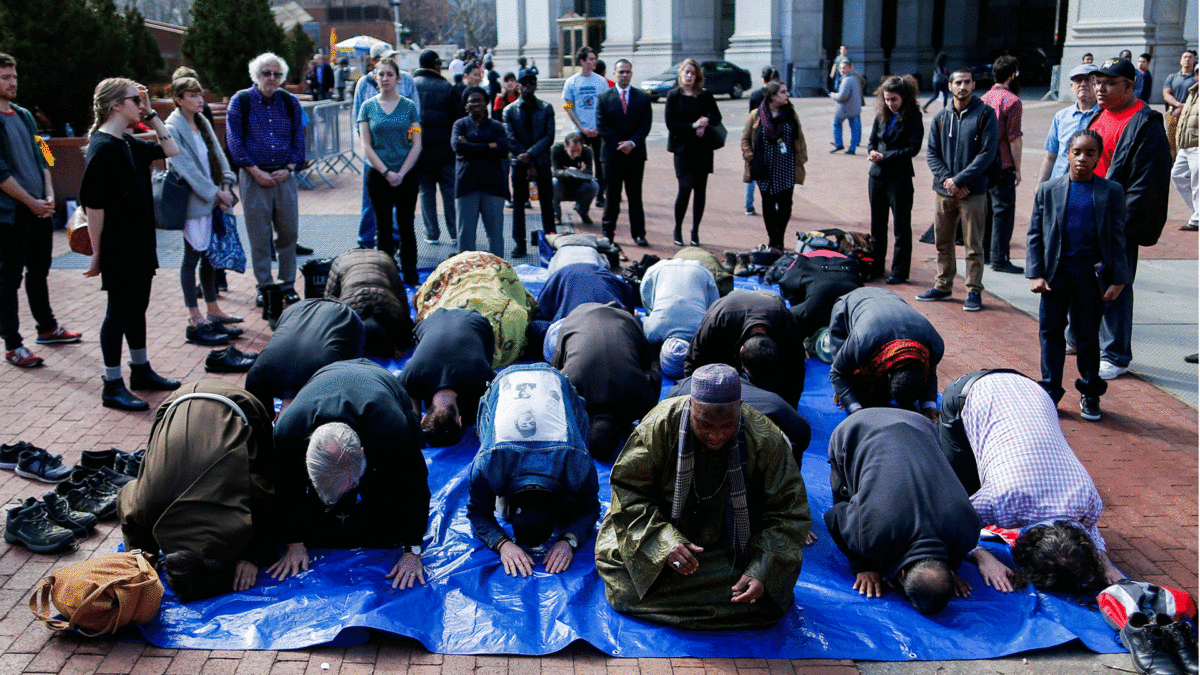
(709, 514)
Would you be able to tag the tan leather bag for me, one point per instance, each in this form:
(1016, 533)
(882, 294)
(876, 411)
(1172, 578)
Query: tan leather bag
(77, 232)
(101, 595)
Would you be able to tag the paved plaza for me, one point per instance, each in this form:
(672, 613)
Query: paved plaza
(1142, 455)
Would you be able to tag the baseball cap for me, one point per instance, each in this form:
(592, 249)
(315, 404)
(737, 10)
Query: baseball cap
(389, 52)
(378, 49)
(1083, 70)
(1118, 68)
(527, 73)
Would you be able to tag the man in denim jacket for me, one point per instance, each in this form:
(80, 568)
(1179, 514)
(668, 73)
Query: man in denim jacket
(533, 466)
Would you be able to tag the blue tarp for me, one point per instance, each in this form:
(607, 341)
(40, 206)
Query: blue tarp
(469, 606)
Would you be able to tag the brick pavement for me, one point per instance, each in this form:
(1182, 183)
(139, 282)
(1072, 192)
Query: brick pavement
(1143, 455)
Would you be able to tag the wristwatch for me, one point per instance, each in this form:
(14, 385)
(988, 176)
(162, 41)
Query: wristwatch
(571, 540)
(415, 550)
(151, 115)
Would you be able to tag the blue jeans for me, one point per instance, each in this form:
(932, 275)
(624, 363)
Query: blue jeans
(855, 131)
(1116, 328)
(750, 196)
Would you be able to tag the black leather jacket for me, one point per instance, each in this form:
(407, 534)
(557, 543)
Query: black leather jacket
(439, 111)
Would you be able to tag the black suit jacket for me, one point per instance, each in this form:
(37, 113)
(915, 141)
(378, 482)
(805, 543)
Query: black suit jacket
(1044, 243)
(323, 89)
(1141, 165)
(898, 148)
(616, 125)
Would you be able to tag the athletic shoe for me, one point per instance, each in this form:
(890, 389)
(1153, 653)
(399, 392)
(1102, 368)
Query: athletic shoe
(934, 294)
(61, 514)
(90, 500)
(59, 335)
(9, 454)
(751, 212)
(40, 465)
(21, 357)
(974, 303)
(1111, 371)
(31, 525)
(1089, 408)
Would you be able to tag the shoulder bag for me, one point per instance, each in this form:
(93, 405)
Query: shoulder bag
(225, 250)
(101, 595)
(170, 199)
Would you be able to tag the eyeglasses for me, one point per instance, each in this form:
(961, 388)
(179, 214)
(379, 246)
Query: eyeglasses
(271, 73)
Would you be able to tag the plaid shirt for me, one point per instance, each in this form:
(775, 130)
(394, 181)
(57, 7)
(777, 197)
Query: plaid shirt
(1008, 113)
(1028, 472)
(273, 136)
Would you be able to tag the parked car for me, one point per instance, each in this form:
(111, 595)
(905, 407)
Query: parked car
(720, 77)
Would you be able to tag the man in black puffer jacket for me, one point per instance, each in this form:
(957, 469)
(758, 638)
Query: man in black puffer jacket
(435, 168)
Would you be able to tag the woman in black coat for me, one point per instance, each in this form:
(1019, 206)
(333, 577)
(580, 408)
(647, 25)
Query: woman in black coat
(691, 114)
(895, 139)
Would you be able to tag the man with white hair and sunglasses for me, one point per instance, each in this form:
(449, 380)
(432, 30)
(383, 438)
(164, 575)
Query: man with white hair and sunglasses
(349, 470)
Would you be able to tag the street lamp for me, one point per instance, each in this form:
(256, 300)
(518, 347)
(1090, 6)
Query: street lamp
(399, 27)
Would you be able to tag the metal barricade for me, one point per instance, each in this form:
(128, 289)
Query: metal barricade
(328, 141)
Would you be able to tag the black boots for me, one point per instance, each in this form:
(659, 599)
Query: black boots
(143, 378)
(117, 396)
(1159, 646)
(272, 304)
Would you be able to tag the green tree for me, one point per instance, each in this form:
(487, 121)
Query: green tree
(298, 51)
(223, 38)
(91, 32)
(145, 58)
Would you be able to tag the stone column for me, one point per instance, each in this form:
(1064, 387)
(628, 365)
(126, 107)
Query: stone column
(756, 40)
(861, 21)
(913, 53)
(659, 43)
(541, 35)
(622, 29)
(510, 33)
(800, 32)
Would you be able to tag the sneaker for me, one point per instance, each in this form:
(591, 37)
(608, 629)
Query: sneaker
(1089, 408)
(751, 212)
(31, 525)
(38, 464)
(58, 336)
(23, 358)
(934, 294)
(974, 303)
(89, 500)
(1007, 267)
(428, 240)
(1111, 371)
(61, 514)
(9, 454)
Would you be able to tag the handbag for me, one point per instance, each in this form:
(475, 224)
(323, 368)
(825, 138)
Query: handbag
(101, 595)
(225, 248)
(77, 232)
(716, 136)
(170, 199)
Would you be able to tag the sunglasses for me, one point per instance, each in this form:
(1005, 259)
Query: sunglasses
(271, 73)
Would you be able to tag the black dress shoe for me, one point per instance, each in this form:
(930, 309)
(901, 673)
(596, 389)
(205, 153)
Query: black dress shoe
(116, 396)
(303, 250)
(290, 296)
(641, 241)
(1148, 646)
(894, 280)
(519, 251)
(1181, 639)
(229, 331)
(229, 360)
(142, 377)
(205, 334)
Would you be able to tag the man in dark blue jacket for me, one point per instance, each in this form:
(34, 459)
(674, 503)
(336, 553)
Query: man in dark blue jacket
(529, 124)
(962, 147)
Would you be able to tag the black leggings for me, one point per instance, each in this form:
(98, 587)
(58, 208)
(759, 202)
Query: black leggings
(687, 183)
(125, 316)
(402, 198)
(777, 212)
(187, 276)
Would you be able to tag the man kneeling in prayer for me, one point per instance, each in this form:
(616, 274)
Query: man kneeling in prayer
(709, 513)
(533, 466)
(1000, 432)
(349, 470)
(201, 493)
(899, 514)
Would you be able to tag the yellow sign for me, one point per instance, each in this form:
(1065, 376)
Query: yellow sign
(333, 50)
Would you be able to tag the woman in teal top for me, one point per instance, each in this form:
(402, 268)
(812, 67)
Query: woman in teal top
(391, 136)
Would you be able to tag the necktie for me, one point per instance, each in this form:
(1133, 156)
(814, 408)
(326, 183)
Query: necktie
(624, 102)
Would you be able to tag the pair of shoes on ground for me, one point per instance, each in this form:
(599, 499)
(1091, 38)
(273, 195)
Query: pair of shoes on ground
(30, 461)
(974, 302)
(123, 463)
(290, 296)
(141, 377)
(229, 360)
(1159, 646)
(47, 526)
(93, 490)
(210, 334)
(23, 358)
